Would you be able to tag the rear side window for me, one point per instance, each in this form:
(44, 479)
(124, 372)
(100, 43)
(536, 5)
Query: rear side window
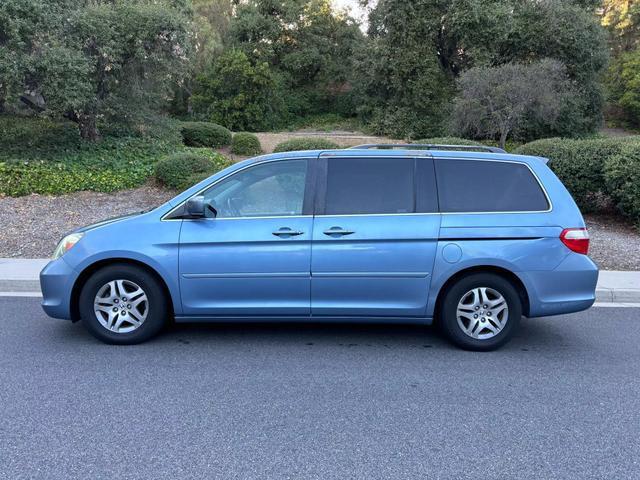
(488, 186)
(369, 186)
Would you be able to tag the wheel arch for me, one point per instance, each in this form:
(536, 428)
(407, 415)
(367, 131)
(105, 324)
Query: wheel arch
(503, 272)
(94, 267)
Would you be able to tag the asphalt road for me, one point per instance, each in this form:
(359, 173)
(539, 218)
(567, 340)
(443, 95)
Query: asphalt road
(317, 401)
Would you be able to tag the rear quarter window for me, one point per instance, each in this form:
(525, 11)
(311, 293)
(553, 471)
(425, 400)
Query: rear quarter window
(488, 186)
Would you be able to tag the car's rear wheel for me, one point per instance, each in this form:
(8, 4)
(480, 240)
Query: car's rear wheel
(123, 304)
(481, 311)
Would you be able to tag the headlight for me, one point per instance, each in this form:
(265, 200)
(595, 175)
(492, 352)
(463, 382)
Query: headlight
(66, 243)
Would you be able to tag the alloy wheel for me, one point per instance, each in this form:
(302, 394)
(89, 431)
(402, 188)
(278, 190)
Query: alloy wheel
(482, 313)
(121, 306)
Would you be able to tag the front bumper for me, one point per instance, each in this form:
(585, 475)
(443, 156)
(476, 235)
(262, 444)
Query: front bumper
(56, 282)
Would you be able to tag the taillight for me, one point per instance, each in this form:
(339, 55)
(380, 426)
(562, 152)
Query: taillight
(576, 239)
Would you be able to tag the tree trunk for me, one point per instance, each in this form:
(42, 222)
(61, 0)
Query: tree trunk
(3, 98)
(88, 127)
(503, 138)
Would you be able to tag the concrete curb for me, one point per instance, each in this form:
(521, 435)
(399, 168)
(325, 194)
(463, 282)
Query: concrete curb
(618, 287)
(21, 275)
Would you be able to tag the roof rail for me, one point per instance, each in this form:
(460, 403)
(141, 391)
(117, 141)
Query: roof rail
(427, 146)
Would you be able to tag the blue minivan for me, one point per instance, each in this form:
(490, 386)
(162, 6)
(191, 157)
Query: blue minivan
(471, 238)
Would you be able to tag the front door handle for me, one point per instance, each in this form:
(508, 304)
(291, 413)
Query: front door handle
(339, 231)
(287, 232)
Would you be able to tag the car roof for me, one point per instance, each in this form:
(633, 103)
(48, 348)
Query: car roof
(436, 154)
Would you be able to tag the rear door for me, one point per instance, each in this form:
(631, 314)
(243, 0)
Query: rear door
(375, 236)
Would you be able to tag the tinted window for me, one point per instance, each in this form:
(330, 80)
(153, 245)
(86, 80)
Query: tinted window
(369, 186)
(270, 189)
(486, 186)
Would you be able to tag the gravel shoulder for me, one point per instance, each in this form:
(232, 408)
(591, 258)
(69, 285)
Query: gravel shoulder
(32, 225)
(615, 245)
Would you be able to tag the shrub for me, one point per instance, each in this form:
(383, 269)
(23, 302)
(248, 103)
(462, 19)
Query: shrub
(305, 144)
(204, 134)
(17, 179)
(622, 174)
(242, 94)
(42, 156)
(579, 164)
(245, 144)
(496, 101)
(183, 169)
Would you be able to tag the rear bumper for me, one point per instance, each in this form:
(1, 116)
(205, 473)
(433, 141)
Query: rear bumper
(569, 288)
(56, 281)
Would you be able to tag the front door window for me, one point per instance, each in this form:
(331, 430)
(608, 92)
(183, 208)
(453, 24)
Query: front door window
(267, 190)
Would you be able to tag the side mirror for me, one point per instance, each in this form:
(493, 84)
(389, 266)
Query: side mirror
(195, 206)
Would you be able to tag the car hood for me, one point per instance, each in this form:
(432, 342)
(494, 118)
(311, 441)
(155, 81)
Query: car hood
(102, 223)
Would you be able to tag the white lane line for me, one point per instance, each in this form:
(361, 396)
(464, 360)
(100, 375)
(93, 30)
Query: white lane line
(20, 294)
(616, 304)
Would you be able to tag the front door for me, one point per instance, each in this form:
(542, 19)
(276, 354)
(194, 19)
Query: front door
(375, 237)
(254, 257)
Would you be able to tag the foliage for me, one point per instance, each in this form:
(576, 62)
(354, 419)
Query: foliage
(622, 19)
(205, 134)
(305, 144)
(407, 73)
(447, 141)
(183, 169)
(623, 82)
(307, 45)
(211, 19)
(326, 122)
(400, 87)
(239, 94)
(500, 101)
(622, 173)
(580, 164)
(92, 60)
(244, 143)
(42, 156)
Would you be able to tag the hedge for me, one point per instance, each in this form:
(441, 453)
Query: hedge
(622, 175)
(184, 169)
(205, 134)
(244, 143)
(581, 165)
(306, 143)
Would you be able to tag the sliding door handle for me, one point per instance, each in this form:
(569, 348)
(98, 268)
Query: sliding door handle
(287, 232)
(338, 231)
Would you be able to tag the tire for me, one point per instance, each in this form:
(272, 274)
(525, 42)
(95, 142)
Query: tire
(477, 328)
(110, 324)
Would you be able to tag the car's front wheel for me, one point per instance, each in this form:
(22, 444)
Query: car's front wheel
(123, 304)
(481, 311)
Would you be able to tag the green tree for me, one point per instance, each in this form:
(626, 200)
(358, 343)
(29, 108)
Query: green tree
(461, 34)
(496, 101)
(306, 43)
(623, 81)
(91, 60)
(622, 19)
(401, 89)
(238, 94)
